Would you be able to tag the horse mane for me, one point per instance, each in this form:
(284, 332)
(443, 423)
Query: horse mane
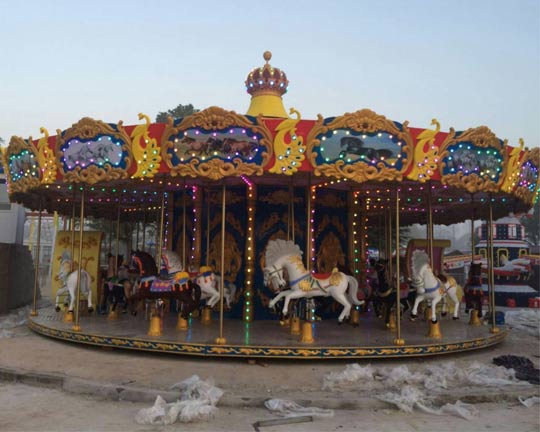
(419, 259)
(148, 263)
(279, 248)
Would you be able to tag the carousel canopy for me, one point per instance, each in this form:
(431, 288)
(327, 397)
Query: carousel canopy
(457, 173)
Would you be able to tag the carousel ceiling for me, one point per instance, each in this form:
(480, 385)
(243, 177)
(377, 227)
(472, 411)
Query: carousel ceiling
(130, 168)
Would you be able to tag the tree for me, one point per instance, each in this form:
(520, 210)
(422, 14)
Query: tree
(531, 222)
(180, 111)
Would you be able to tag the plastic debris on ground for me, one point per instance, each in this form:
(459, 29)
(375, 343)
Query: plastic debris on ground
(411, 389)
(289, 408)
(15, 318)
(529, 402)
(524, 320)
(523, 367)
(411, 397)
(198, 400)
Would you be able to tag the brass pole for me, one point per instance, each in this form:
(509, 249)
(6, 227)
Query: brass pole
(143, 246)
(390, 273)
(491, 286)
(292, 212)
(137, 236)
(117, 249)
(161, 223)
(309, 227)
(398, 341)
(221, 339)
(110, 236)
(430, 226)
(472, 228)
(289, 213)
(34, 311)
(208, 228)
(72, 229)
(76, 326)
(184, 261)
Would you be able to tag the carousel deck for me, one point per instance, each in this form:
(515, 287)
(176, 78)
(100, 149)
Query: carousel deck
(268, 339)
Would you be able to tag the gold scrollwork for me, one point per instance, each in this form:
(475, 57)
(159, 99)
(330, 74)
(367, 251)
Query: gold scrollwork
(46, 159)
(16, 146)
(426, 155)
(517, 155)
(148, 155)
(87, 129)
(289, 156)
(365, 121)
(214, 169)
(481, 137)
(215, 118)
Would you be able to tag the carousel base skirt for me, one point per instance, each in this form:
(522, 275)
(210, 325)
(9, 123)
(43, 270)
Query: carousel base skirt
(267, 339)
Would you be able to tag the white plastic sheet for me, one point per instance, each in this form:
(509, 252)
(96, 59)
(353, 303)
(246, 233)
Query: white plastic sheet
(16, 318)
(410, 389)
(524, 320)
(287, 408)
(198, 400)
(530, 401)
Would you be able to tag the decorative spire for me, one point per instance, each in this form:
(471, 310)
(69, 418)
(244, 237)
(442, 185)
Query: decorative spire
(266, 85)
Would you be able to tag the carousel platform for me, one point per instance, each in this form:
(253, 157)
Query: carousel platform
(267, 339)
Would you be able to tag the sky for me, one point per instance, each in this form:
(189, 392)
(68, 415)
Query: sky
(467, 63)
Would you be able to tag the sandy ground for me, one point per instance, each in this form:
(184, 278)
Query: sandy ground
(32, 408)
(28, 408)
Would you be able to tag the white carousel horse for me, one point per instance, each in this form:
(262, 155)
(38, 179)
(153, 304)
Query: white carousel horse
(429, 287)
(285, 255)
(71, 288)
(210, 283)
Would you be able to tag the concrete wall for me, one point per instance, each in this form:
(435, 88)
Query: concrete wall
(16, 277)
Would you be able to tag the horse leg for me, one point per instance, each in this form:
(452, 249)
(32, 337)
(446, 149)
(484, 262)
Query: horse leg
(434, 304)
(291, 295)
(60, 292)
(443, 309)
(452, 293)
(276, 299)
(417, 300)
(345, 313)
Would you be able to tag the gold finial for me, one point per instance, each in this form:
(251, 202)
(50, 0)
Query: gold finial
(267, 56)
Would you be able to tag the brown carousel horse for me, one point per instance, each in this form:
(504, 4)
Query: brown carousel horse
(177, 286)
(474, 294)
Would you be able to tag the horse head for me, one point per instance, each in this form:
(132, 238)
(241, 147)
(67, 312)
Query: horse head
(273, 278)
(143, 263)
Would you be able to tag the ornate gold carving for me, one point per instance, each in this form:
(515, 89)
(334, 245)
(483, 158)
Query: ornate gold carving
(481, 137)
(26, 183)
(270, 222)
(513, 166)
(330, 254)
(426, 155)
(233, 256)
(331, 200)
(215, 169)
(333, 221)
(215, 118)
(230, 220)
(365, 121)
(46, 159)
(280, 196)
(289, 156)
(148, 155)
(87, 129)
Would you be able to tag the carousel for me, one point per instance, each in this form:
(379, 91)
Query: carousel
(261, 224)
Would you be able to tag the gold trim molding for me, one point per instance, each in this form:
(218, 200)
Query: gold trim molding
(363, 121)
(216, 118)
(87, 129)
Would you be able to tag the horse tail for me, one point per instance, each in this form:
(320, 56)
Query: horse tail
(353, 290)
